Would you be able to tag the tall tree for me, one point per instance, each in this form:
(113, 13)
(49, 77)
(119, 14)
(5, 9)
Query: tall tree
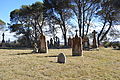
(61, 12)
(2, 22)
(108, 14)
(30, 17)
(84, 10)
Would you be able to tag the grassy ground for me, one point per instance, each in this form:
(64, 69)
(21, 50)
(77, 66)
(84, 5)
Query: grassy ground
(94, 65)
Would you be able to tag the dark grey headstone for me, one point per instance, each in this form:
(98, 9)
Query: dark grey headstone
(61, 58)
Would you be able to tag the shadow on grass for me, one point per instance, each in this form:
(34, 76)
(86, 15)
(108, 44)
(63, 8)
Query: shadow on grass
(116, 49)
(56, 62)
(57, 56)
(21, 54)
(25, 53)
(16, 48)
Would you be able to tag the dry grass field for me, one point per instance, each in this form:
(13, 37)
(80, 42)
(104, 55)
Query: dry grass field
(94, 65)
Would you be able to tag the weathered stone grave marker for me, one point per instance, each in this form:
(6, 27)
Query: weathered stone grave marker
(86, 43)
(43, 45)
(51, 42)
(77, 46)
(94, 40)
(70, 42)
(61, 58)
(3, 40)
(56, 42)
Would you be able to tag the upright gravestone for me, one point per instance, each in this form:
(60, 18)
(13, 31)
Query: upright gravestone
(77, 46)
(70, 42)
(61, 58)
(43, 45)
(56, 42)
(51, 42)
(86, 43)
(48, 43)
(94, 40)
(3, 40)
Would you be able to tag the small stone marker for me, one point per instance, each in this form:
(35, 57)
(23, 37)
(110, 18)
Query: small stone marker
(61, 58)
(77, 46)
(43, 44)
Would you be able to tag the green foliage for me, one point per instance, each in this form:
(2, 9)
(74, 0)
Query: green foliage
(62, 12)
(2, 22)
(116, 44)
(106, 44)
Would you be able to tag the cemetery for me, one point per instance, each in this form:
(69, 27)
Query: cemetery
(61, 40)
(75, 62)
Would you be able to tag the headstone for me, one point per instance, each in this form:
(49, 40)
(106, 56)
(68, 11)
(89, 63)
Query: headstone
(51, 42)
(77, 46)
(94, 40)
(86, 43)
(3, 40)
(61, 58)
(43, 45)
(70, 42)
(56, 42)
(48, 44)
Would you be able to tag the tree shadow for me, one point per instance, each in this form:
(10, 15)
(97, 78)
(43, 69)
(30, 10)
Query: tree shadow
(21, 54)
(16, 48)
(56, 62)
(57, 56)
(52, 56)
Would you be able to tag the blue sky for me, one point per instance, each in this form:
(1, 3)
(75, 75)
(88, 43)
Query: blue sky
(6, 6)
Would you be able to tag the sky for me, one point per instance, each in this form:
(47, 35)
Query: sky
(6, 6)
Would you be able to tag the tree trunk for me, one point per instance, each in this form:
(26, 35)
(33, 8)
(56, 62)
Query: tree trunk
(106, 31)
(64, 30)
(99, 35)
(79, 19)
(65, 39)
(83, 19)
(35, 41)
(87, 29)
(79, 23)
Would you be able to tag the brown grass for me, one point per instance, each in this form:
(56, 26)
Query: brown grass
(94, 65)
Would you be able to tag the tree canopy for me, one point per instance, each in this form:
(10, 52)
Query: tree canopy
(32, 19)
(2, 22)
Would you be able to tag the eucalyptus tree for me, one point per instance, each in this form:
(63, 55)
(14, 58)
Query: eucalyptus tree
(84, 11)
(116, 3)
(2, 22)
(60, 11)
(30, 18)
(109, 16)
